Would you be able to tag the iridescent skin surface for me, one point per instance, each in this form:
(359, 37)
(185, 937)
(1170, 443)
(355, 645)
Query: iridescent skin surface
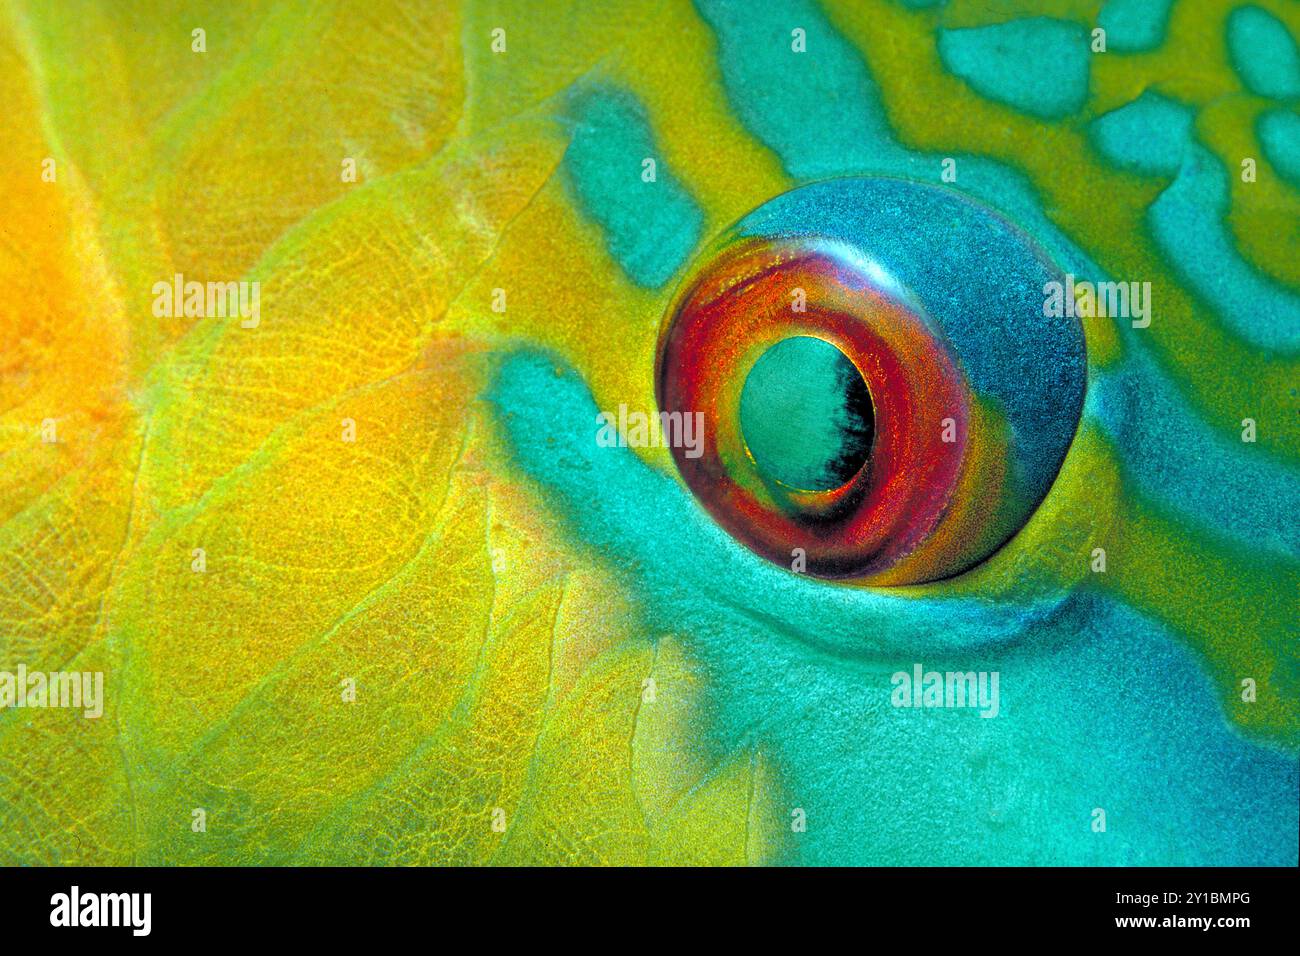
(561, 650)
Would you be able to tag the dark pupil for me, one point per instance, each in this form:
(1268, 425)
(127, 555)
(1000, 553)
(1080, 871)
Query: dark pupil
(805, 414)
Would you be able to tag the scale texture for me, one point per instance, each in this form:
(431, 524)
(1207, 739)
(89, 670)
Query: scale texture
(362, 584)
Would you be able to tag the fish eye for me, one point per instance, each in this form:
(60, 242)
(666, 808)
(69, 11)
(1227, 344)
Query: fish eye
(883, 391)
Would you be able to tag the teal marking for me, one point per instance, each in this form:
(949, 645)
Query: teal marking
(1208, 477)
(1279, 133)
(1150, 135)
(1154, 135)
(818, 109)
(1187, 221)
(649, 228)
(1263, 53)
(1038, 66)
(1134, 26)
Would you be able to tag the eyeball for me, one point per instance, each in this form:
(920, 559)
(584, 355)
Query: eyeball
(885, 398)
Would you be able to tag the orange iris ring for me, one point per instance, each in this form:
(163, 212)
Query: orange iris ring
(741, 305)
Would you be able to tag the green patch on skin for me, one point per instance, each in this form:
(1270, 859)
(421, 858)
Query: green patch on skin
(1038, 66)
(649, 221)
(1279, 133)
(1187, 221)
(1134, 26)
(1149, 135)
(1263, 53)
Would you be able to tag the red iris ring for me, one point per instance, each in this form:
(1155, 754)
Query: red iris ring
(743, 303)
